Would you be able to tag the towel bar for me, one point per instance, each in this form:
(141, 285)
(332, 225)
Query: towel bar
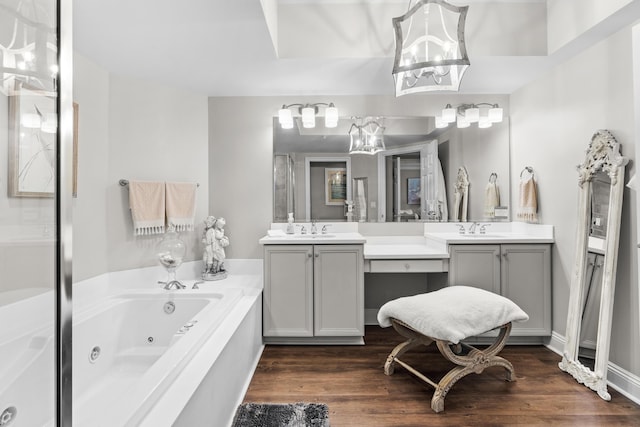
(125, 182)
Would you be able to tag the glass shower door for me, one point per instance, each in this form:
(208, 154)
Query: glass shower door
(30, 206)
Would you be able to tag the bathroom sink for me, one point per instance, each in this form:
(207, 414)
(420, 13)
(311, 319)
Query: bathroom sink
(313, 236)
(482, 236)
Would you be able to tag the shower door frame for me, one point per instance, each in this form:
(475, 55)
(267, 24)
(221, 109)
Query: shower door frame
(64, 194)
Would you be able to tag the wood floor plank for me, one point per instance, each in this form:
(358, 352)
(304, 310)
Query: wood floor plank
(351, 381)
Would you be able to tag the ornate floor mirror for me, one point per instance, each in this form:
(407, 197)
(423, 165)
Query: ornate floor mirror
(601, 186)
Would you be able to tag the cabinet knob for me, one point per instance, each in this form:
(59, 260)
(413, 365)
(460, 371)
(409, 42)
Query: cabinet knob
(309, 255)
(317, 255)
(407, 266)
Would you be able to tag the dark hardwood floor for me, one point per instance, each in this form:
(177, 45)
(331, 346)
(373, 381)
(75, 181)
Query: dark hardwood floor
(351, 381)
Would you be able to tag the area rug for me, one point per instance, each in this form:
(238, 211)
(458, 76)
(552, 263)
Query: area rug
(282, 415)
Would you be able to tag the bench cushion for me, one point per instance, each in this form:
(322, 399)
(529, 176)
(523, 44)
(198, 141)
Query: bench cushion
(452, 313)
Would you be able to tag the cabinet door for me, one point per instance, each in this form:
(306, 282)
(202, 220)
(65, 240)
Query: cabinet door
(475, 265)
(339, 290)
(288, 291)
(526, 280)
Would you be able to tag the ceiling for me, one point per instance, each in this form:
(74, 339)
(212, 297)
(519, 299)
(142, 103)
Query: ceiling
(225, 48)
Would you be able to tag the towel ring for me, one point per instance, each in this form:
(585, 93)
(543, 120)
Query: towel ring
(527, 169)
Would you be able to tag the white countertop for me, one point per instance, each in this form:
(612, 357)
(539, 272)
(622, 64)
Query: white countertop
(488, 238)
(432, 245)
(313, 239)
(403, 247)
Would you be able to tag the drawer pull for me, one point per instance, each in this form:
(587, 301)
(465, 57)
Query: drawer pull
(407, 266)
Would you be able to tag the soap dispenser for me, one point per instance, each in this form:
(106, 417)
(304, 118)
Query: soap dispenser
(290, 229)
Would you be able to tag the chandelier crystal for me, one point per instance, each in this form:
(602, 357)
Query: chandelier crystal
(430, 50)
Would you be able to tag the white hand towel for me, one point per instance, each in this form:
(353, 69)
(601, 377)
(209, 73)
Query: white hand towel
(181, 203)
(491, 199)
(528, 210)
(146, 200)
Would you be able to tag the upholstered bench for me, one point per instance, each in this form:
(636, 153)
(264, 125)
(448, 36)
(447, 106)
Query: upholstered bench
(447, 317)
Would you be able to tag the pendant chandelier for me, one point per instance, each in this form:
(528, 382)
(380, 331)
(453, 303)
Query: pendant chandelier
(367, 136)
(430, 50)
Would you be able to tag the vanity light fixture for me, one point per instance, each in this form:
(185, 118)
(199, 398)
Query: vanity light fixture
(484, 114)
(308, 114)
(367, 136)
(430, 50)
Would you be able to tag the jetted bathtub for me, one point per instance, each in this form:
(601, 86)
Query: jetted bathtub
(127, 351)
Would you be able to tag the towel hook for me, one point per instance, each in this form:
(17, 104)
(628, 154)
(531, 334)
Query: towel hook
(493, 177)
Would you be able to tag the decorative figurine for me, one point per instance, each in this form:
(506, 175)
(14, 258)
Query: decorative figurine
(214, 242)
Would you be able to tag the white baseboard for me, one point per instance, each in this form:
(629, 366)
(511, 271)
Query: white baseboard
(618, 379)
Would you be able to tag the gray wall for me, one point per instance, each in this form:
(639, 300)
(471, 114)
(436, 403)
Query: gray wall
(131, 129)
(552, 121)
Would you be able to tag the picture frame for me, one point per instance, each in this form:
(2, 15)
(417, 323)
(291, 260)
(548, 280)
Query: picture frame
(33, 129)
(413, 191)
(335, 186)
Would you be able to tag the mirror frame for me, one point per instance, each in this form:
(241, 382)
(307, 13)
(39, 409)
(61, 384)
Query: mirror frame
(603, 155)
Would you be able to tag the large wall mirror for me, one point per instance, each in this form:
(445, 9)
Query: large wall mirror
(601, 186)
(412, 180)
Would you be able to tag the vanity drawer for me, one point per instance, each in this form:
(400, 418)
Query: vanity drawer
(409, 266)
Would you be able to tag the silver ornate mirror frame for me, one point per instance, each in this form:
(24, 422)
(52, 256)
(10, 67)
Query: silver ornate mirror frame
(603, 155)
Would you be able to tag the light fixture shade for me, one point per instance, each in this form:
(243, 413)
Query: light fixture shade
(331, 116)
(430, 52)
(367, 138)
(484, 123)
(308, 117)
(50, 123)
(285, 118)
(441, 123)
(462, 123)
(449, 114)
(472, 114)
(30, 120)
(495, 114)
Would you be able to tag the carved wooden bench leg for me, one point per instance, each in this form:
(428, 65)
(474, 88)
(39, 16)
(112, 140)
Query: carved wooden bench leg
(475, 361)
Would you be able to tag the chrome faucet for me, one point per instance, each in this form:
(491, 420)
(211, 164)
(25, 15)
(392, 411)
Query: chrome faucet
(472, 228)
(324, 228)
(461, 229)
(483, 228)
(173, 284)
(314, 229)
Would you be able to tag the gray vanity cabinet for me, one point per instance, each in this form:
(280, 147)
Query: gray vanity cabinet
(520, 272)
(313, 294)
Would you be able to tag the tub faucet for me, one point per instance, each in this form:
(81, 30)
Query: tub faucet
(173, 284)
